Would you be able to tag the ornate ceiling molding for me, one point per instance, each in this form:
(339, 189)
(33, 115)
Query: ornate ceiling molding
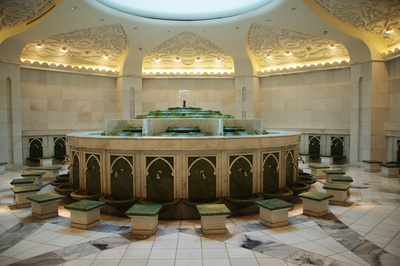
(276, 48)
(373, 16)
(97, 47)
(187, 53)
(13, 12)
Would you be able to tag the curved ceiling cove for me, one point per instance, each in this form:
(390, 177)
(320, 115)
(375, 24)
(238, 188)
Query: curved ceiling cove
(96, 47)
(381, 18)
(188, 53)
(282, 48)
(185, 10)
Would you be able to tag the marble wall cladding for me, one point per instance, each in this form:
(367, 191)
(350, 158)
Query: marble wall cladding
(55, 100)
(10, 114)
(319, 99)
(394, 94)
(207, 93)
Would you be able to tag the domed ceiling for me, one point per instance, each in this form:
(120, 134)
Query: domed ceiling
(278, 36)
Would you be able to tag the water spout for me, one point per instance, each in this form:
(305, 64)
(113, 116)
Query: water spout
(273, 167)
(159, 173)
(294, 165)
(243, 171)
(71, 165)
(119, 171)
(301, 159)
(202, 174)
(92, 168)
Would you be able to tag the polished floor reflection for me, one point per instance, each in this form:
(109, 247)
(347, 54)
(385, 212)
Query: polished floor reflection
(363, 232)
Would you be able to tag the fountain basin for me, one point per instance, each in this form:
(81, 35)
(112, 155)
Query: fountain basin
(84, 195)
(245, 202)
(298, 188)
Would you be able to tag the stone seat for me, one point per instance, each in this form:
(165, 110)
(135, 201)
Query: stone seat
(144, 218)
(317, 170)
(44, 205)
(37, 175)
(330, 173)
(274, 212)
(342, 179)
(18, 182)
(50, 172)
(213, 218)
(315, 203)
(390, 170)
(2, 167)
(46, 161)
(372, 165)
(339, 192)
(85, 214)
(21, 192)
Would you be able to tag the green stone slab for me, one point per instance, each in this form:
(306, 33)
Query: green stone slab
(51, 168)
(318, 166)
(23, 189)
(33, 173)
(336, 186)
(3, 163)
(313, 195)
(213, 209)
(334, 172)
(46, 158)
(274, 204)
(390, 165)
(372, 161)
(343, 178)
(17, 181)
(45, 197)
(144, 210)
(84, 205)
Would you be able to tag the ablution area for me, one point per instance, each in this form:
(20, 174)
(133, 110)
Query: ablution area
(201, 133)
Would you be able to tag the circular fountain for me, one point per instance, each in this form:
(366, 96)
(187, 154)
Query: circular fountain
(184, 154)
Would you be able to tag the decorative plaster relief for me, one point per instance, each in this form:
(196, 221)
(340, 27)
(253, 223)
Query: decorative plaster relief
(13, 12)
(187, 52)
(275, 47)
(97, 47)
(368, 15)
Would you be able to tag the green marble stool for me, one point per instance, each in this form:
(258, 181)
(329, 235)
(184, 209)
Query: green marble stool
(85, 214)
(213, 218)
(144, 218)
(274, 212)
(45, 205)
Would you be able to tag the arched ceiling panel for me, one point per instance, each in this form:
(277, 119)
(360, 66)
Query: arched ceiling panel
(17, 16)
(274, 48)
(187, 53)
(103, 47)
(378, 17)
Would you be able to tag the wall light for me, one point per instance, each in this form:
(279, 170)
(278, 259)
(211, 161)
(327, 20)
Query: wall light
(218, 59)
(177, 59)
(198, 59)
(288, 53)
(389, 30)
(105, 56)
(157, 59)
(64, 49)
(39, 45)
(332, 46)
(269, 55)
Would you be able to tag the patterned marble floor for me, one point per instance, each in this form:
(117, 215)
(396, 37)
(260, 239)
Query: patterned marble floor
(363, 232)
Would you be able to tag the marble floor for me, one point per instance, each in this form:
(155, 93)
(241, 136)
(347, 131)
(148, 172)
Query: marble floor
(363, 232)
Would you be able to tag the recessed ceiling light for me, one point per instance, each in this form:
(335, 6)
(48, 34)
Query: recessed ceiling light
(269, 55)
(101, 20)
(389, 30)
(64, 49)
(157, 59)
(332, 46)
(218, 59)
(198, 58)
(135, 28)
(293, 8)
(39, 45)
(177, 59)
(74, 7)
(288, 53)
